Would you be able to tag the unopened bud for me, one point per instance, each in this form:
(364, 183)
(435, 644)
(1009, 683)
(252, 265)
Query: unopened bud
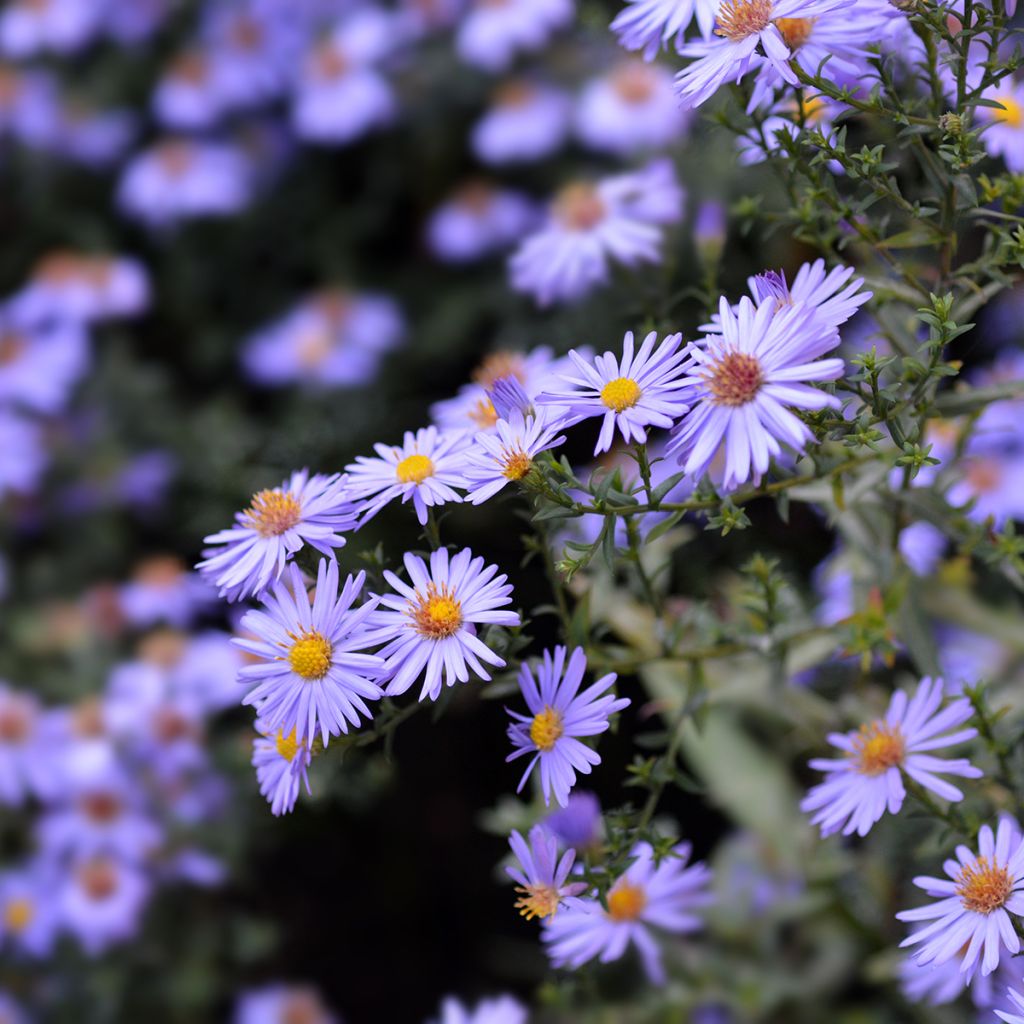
(952, 124)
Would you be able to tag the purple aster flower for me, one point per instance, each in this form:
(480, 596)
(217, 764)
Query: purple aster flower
(592, 224)
(630, 109)
(747, 34)
(277, 1004)
(282, 766)
(430, 626)
(28, 912)
(632, 393)
(248, 557)
(746, 379)
(102, 901)
(334, 338)
(178, 178)
(559, 715)
(478, 220)
(23, 457)
(100, 815)
(579, 823)
(425, 468)
(541, 874)
(38, 368)
(81, 287)
(28, 27)
(661, 896)
(648, 25)
(495, 1010)
(868, 779)
(30, 107)
(341, 95)
(491, 34)
(1002, 134)
(526, 122)
(163, 590)
(29, 764)
(313, 672)
(497, 459)
(972, 916)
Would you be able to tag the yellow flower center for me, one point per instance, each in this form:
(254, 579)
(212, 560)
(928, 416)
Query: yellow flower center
(810, 108)
(483, 413)
(537, 901)
(738, 19)
(273, 512)
(735, 379)
(795, 31)
(621, 393)
(578, 207)
(877, 748)
(984, 886)
(517, 464)
(287, 746)
(310, 655)
(546, 728)
(626, 902)
(414, 469)
(1011, 114)
(438, 614)
(18, 914)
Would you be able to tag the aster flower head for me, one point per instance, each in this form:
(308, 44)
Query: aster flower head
(163, 590)
(495, 460)
(559, 716)
(28, 912)
(313, 675)
(424, 469)
(494, 1010)
(649, 25)
(868, 779)
(40, 366)
(746, 380)
(493, 32)
(646, 896)
(640, 390)
(245, 559)
(429, 625)
(61, 26)
(590, 225)
(29, 764)
(282, 767)
(477, 220)
(101, 902)
(525, 122)
(1002, 134)
(541, 874)
(748, 34)
(971, 917)
(282, 1004)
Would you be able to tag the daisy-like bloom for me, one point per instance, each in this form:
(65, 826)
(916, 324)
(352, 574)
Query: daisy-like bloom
(282, 766)
(28, 918)
(630, 109)
(526, 122)
(28, 27)
(559, 716)
(101, 902)
(192, 92)
(282, 1004)
(868, 779)
(477, 221)
(341, 95)
(313, 673)
(29, 764)
(541, 874)
(424, 468)
(498, 459)
(748, 34)
(495, 1010)
(247, 558)
(662, 896)
(746, 379)
(83, 287)
(335, 338)
(591, 224)
(648, 25)
(39, 367)
(92, 137)
(493, 32)
(181, 178)
(429, 625)
(633, 393)
(1003, 132)
(972, 916)
(163, 590)
(30, 104)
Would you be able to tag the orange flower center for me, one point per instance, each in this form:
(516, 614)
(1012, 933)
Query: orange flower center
(19, 914)
(877, 748)
(517, 464)
(578, 207)
(98, 878)
(735, 379)
(984, 886)
(273, 512)
(546, 728)
(537, 901)
(634, 82)
(483, 413)
(738, 19)
(438, 614)
(626, 902)
(795, 31)
(498, 365)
